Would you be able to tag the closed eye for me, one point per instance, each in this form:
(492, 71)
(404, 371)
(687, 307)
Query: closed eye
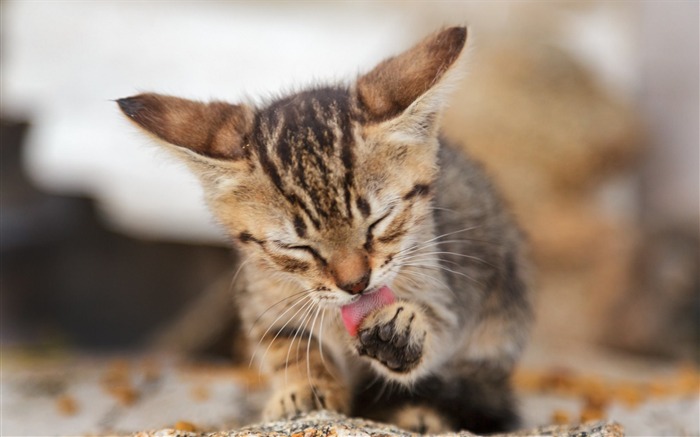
(370, 229)
(307, 249)
(379, 220)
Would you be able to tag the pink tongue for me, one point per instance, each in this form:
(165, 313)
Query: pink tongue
(354, 313)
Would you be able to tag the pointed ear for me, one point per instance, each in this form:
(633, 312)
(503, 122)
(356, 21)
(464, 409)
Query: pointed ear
(398, 82)
(215, 130)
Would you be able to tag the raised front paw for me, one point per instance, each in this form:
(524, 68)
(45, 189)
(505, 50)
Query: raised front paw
(303, 397)
(394, 336)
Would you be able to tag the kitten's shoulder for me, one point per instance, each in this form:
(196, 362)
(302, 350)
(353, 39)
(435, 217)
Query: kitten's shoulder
(464, 180)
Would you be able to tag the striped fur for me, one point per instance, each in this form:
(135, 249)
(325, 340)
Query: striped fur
(341, 190)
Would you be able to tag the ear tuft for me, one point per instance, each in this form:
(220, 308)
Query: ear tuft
(215, 130)
(130, 106)
(397, 82)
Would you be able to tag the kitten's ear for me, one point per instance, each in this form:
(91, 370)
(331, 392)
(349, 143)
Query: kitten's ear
(400, 81)
(214, 130)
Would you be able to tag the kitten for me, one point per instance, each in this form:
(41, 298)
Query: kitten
(382, 275)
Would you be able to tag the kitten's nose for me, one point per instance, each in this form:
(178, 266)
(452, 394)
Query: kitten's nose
(350, 270)
(356, 287)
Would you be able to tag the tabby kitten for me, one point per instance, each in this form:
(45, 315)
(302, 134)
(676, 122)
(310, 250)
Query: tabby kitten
(382, 275)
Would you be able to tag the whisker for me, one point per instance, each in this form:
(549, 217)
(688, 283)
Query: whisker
(385, 384)
(416, 258)
(300, 329)
(238, 271)
(406, 277)
(291, 343)
(436, 267)
(320, 344)
(297, 302)
(304, 322)
(447, 234)
(439, 208)
(459, 240)
(476, 258)
(308, 301)
(274, 305)
(471, 240)
(404, 274)
(425, 275)
(438, 261)
(411, 275)
(419, 245)
(308, 354)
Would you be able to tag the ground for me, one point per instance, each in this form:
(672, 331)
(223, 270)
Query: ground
(71, 395)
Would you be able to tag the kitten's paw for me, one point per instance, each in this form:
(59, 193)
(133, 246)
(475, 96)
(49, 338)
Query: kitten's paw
(394, 336)
(420, 419)
(302, 398)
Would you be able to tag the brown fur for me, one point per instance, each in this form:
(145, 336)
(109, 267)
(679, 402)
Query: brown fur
(215, 129)
(397, 82)
(337, 191)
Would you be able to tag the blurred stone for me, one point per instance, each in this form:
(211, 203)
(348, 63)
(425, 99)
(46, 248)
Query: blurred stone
(658, 311)
(564, 150)
(550, 134)
(528, 106)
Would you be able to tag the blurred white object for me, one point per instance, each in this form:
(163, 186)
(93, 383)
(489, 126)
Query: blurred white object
(66, 61)
(63, 63)
(670, 100)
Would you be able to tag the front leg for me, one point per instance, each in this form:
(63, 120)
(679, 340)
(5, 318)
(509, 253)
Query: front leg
(394, 336)
(301, 380)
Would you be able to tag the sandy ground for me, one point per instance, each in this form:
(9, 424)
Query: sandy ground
(82, 396)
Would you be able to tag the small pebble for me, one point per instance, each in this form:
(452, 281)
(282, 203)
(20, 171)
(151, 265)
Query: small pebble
(67, 405)
(185, 426)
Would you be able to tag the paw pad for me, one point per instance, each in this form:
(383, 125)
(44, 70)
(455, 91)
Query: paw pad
(395, 342)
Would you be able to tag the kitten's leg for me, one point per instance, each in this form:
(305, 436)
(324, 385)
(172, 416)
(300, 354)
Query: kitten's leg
(301, 379)
(422, 419)
(480, 401)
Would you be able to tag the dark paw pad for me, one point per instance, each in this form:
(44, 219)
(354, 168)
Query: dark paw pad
(394, 343)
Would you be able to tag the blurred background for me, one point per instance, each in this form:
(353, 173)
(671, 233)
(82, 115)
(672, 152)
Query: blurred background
(585, 113)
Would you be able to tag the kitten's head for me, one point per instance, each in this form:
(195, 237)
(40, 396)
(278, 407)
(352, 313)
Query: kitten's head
(328, 185)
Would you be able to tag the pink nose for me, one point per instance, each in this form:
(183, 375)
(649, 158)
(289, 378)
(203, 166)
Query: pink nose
(350, 270)
(356, 287)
